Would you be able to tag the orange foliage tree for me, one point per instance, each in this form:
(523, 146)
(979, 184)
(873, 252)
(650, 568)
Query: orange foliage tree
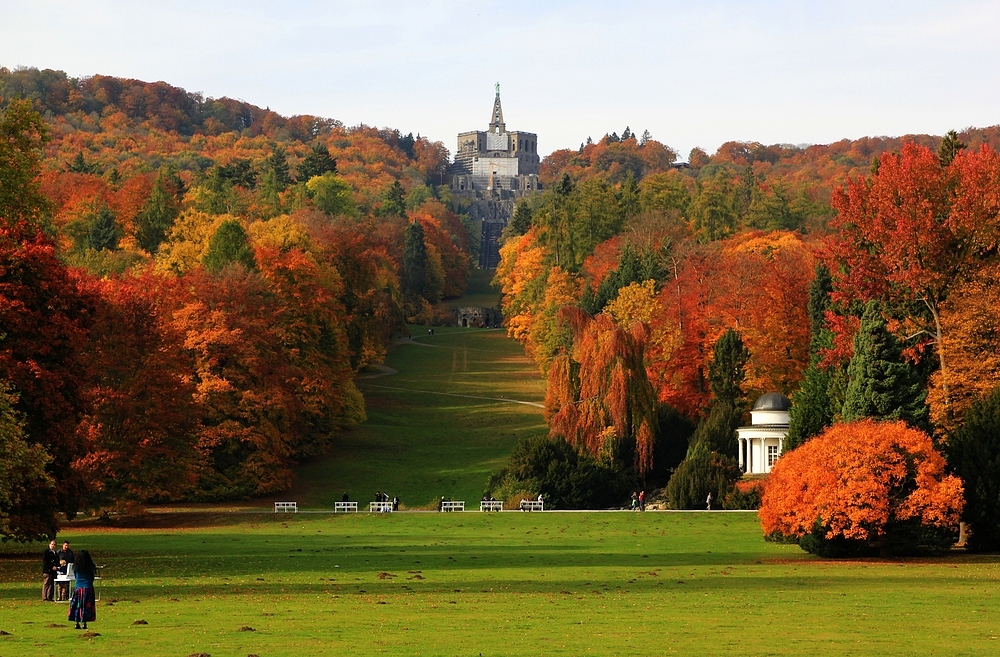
(863, 487)
(598, 397)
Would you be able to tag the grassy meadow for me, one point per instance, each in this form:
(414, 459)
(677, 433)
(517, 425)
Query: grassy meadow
(439, 424)
(613, 583)
(442, 416)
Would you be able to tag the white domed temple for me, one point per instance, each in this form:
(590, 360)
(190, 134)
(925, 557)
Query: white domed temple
(760, 444)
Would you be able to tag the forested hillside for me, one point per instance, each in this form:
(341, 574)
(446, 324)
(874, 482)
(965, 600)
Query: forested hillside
(189, 286)
(660, 299)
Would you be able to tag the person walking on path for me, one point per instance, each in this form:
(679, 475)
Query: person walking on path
(635, 502)
(50, 568)
(708, 501)
(83, 606)
(642, 500)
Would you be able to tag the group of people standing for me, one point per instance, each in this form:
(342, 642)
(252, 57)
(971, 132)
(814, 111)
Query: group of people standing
(384, 497)
(639, 501)
(83, 605)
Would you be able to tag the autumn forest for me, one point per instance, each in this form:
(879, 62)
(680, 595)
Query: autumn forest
(189, 287)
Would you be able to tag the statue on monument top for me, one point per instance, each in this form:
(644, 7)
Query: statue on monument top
(498, 88)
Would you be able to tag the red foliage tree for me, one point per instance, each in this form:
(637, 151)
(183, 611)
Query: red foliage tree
(139, 426)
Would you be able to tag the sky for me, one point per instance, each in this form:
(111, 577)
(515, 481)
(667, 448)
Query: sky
(693, 73)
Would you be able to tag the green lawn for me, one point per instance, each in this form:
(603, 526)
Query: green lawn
(498, 584)
(439, 426)
(479, 293)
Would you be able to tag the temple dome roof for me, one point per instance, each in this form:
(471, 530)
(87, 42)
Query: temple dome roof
(772, 401)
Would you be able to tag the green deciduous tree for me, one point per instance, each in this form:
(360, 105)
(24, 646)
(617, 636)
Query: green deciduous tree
(22, 469)
(22, 135)
(332, 194)
(230, 244)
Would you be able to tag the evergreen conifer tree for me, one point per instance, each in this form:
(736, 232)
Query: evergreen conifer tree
(395, 202)
(727, 369)
(812, 408)
(157, 216)
(973, 451)
(521, 221)
(414, 261)
(316, 163)
(277, 162)
(880, 385)
(950, 146)
(104, 232)
(230, 244)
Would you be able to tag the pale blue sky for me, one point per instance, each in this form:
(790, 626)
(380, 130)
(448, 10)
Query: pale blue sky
(692, 73)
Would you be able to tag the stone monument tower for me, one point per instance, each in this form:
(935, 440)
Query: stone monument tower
(492, 169)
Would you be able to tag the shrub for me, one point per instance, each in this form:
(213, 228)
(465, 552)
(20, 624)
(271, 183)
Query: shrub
(566, 478)
(863, 487)
(745, 495)
(703, 472)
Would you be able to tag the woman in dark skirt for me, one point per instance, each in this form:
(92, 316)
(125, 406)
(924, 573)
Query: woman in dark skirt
(83, 607)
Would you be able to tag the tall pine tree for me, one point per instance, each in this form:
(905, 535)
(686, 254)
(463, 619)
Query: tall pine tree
(414, 261)
(880, 384)
(812, 408)
(157, 215)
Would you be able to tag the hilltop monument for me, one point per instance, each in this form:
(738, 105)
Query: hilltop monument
(492, 169)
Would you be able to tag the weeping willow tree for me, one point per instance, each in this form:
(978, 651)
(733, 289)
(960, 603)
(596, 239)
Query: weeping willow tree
(599, 398)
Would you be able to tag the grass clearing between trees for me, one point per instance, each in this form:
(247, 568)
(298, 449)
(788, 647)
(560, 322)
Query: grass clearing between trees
(439, 423)
(495, 584)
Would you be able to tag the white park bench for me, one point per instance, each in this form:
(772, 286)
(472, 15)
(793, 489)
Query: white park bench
(285, 507)
(380, 507)
(491, 505)
(344, 507)
(453, 506)
(532, 505)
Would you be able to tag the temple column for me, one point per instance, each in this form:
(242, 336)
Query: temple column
(740, 455)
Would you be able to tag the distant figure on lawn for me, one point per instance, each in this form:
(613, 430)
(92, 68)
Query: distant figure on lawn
(642, 500)
(50, 568)
(395, 503)
(345, 498)
(708, 501)
(83, 606)
(635, 502)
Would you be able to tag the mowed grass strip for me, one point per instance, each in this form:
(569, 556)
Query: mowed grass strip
(439, 425)
(498, 584)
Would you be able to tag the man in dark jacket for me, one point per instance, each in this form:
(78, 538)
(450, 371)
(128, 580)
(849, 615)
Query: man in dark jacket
(50, 566)
(66, 557)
